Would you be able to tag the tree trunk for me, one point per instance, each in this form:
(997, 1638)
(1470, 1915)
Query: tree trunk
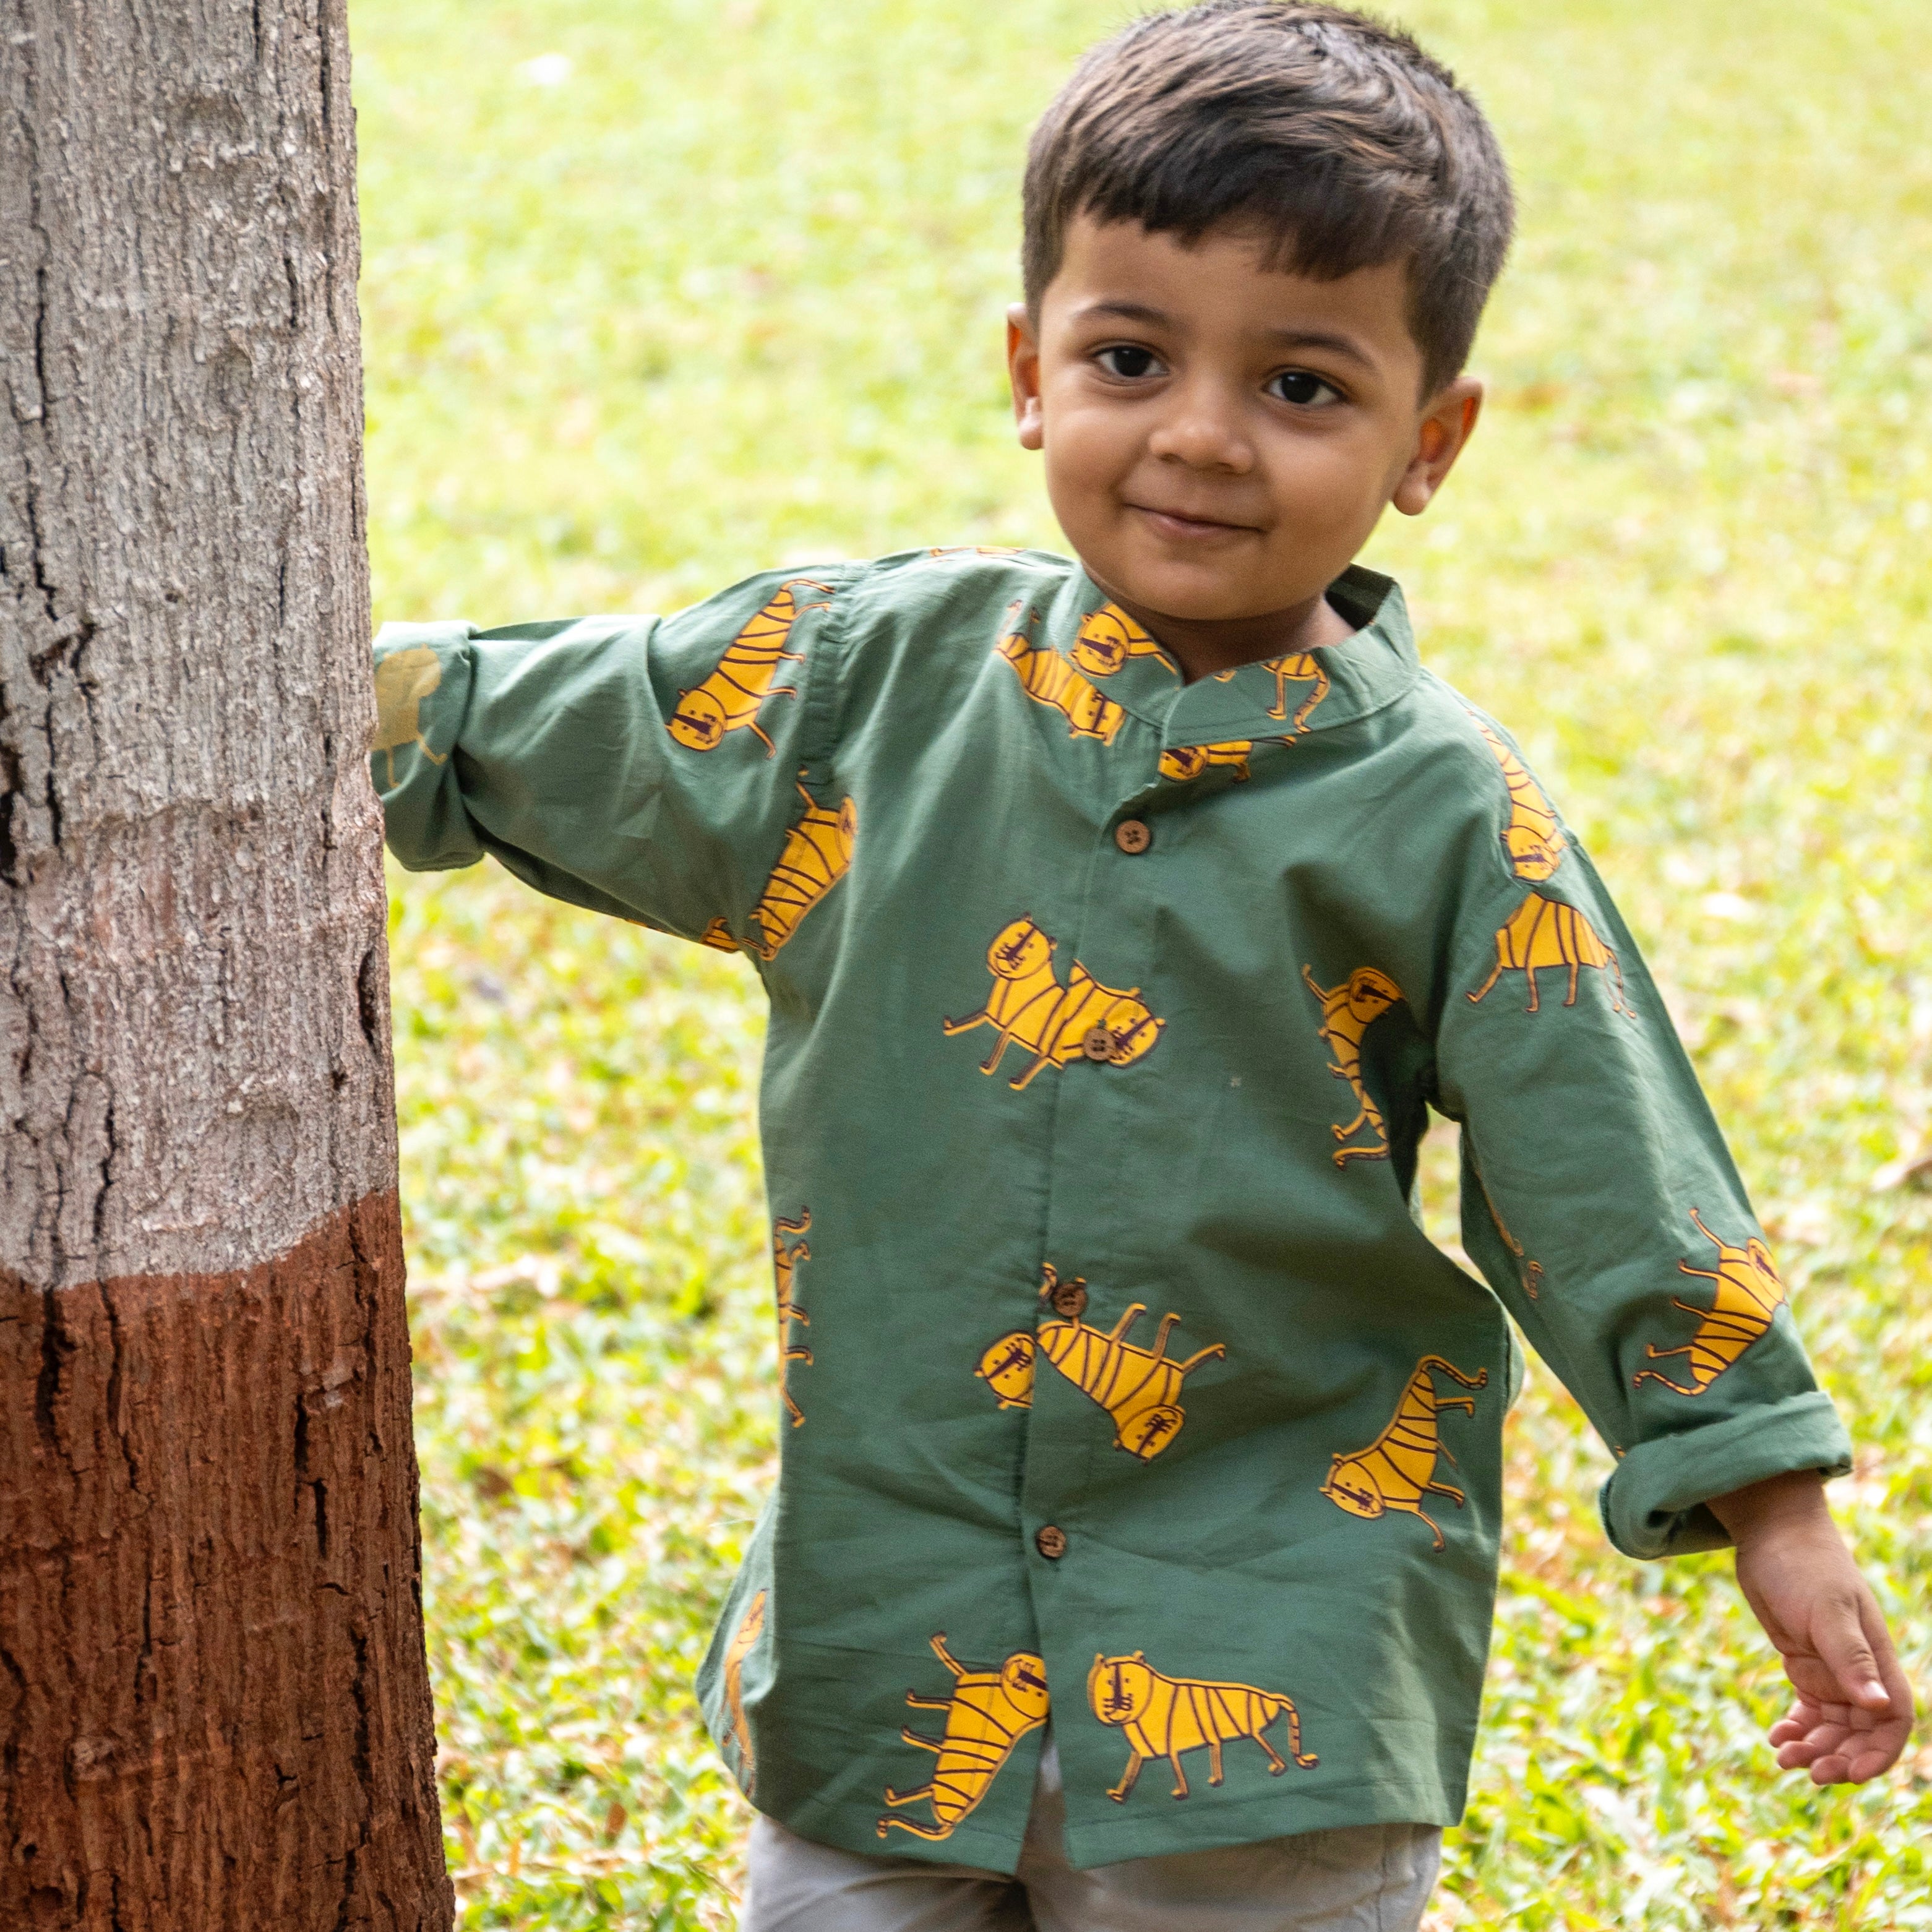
(215, 1711)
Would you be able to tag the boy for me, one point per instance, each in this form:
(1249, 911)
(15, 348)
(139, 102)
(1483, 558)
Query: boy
(1121, 920)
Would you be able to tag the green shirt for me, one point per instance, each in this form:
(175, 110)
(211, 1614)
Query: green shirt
(1105, 1013)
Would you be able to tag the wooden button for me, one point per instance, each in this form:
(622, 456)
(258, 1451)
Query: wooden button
(1051, 1542)
(1133, 836)
(1099, 1045)
(1069, 1298)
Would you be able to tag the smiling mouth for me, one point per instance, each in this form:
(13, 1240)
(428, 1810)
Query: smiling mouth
(1179, 523)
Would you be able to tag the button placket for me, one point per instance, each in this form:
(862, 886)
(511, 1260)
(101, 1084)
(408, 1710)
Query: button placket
(1069, 1437)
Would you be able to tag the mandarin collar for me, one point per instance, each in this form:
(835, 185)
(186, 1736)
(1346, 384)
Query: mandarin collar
(1283, 697)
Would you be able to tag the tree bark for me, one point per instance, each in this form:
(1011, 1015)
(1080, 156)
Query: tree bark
(214, 1709)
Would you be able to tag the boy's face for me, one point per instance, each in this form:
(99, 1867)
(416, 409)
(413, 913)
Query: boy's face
(1221, 438)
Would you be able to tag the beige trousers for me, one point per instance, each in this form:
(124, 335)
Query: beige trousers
(1353, 1878)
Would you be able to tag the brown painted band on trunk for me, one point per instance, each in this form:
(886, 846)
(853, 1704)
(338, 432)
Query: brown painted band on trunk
(214, 1708)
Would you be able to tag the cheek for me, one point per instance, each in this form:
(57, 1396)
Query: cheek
(1328, 480)
(1088, 450)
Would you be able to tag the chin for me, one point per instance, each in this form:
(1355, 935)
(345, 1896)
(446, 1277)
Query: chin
(1195, 596)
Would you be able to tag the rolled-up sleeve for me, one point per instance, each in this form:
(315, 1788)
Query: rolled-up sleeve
(1601, 1203)
(642, 766)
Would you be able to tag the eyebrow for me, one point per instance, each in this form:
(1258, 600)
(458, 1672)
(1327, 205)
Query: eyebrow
(1289, 338)
(1310, 338)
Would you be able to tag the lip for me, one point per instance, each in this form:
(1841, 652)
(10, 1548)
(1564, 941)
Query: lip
(1180, 527)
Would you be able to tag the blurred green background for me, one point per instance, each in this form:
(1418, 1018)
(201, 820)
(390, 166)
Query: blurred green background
(658, 294)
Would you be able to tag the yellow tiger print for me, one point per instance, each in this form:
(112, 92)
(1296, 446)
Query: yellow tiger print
(1398, 1469)
(1542, 933)
(1532, 839)
(403, 679)
(1750, 1291)
(718, 936)
(1530, 1272)
(818, 854)
(730, 699)
(1048, 679)
(1139, 1388)
(988, 1713)
(1167, 1717)
(1028, 1005)
(1347, 1012)
(1108, 638)
(1189, 761)
(788, 1251)
(750, 1628)
(1301, 667)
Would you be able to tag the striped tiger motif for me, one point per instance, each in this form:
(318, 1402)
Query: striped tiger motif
(1057, 1024)
(1298, 667)
(750, 1627)
(1048, 679)
(1398, 1469)
(1529, 1272)
(1183, 762)
(988, 1713)
(1749, 1293)
(403, 679)
(1347, 1012)
(731, 698)
(788, 1249)
(1168, 1716)
(1139, 1388)
(1108, 638)
(817, 854)
(1543, 933)
(1532, 839)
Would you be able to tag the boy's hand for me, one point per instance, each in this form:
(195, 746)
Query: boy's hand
(1854, 1709)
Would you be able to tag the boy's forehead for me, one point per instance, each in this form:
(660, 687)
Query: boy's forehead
(1224, 282)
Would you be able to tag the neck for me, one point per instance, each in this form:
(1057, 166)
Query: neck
(1205, 645)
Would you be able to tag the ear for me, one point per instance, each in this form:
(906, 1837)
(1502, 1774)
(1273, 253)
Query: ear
(1023, 367)
(1440, 437)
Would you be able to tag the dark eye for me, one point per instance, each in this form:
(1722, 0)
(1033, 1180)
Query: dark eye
(1128, 362)
(1298, 386)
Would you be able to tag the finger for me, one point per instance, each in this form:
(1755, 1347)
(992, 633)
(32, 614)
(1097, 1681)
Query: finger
(1855, 1754)
(1851, 1767)
(1875, 1754)
(1802, 1717)
(1823, 1735)
(1898, 1686)
(1832, 1764)
(1839, 1636)
(1826, 1742)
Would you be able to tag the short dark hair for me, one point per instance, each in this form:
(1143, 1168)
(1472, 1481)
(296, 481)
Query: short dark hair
(1330, 132)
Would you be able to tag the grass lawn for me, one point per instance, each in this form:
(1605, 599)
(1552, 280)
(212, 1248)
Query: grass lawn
(658, 295)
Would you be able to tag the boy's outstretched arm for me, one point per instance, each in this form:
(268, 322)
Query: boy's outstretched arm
(1854, 1709)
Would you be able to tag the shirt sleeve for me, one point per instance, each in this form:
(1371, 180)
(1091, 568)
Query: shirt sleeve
(642, 766)
(1601, 1203)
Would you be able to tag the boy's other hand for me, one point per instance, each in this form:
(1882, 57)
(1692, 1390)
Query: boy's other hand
(1854, 1710)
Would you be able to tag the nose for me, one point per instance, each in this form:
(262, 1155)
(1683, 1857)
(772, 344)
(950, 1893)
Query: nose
(1203, 428)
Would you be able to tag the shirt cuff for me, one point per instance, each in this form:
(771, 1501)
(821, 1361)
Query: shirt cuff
(1654, 1503)
(423, 683)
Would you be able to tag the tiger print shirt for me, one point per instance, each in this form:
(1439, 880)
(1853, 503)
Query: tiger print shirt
(1121, 1387)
